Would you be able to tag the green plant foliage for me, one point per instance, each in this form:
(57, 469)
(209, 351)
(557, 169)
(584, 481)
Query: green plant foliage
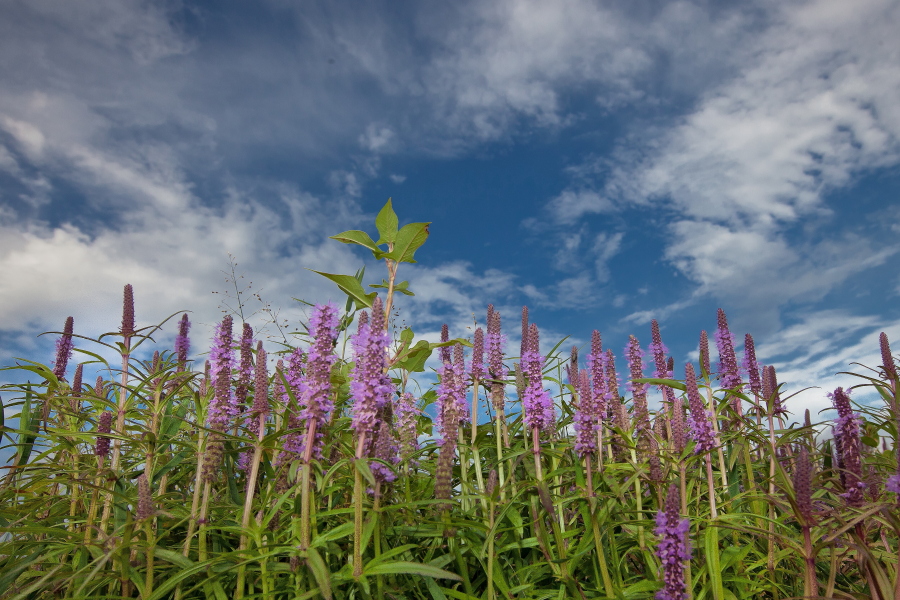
(527, 516)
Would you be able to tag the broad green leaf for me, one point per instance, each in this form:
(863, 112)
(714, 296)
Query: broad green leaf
(409, 239)
(407, 335)
(387, 222)
(320, 572)
(360, 238)
(341, 531)
(411, 568)
(414, 362)
(351, 286)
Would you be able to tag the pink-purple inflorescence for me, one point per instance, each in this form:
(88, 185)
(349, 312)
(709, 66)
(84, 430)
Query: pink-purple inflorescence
(245, 369)
(407, 415)
(587, 418)
(223, 407)
(494, 343)
(729, 376)
(128, 313)
(847, 434)
(182, 341)
(64, 347)
(634, 354)
(751, 366)
(316, 393)
(104, 426)
(476, 366)
(674, 547)
(536, 401)
(703, 348)
(370, 386)
(701, 425)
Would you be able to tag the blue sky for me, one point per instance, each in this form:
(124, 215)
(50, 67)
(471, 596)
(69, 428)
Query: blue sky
(604, 163)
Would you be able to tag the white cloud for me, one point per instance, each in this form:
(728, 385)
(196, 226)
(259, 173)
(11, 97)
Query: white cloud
(571, 205)
(377, 138)
(398, 179)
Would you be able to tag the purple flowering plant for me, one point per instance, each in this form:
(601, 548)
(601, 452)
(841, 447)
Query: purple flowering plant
(339, 465)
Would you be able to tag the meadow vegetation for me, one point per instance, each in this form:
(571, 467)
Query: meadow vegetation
(322, 469)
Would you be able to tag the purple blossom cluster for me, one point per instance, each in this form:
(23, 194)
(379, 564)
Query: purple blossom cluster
(104, 426)
(64, 347)
(386, 449)
(316, 393)
(634, 354)
(494, 344)
(750, 365)
(407, 415)
(452, 406)
(674, 547)
(476, 366)
(729, 376)
(370, 386)
(223, 407)
(182, 341)
(704, 353)
(245, 368)
(128, 313)
(847, 432)
(587, 418)
(536, 401)
(701, 425)
(659, 352)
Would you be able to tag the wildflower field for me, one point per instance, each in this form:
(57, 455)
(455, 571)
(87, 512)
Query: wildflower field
(323, 471)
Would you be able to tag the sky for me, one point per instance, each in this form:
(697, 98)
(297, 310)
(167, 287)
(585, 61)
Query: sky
(603, 163)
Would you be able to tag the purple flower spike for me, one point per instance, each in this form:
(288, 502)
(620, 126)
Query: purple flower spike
(370, 386)
(494, 344)
(674, 547)
(476, 367)
(407, 419)
(704, 353)
(847, 432)
(452, 406)
(659, 351)
(611, 382)
(223, 407)
(777, 406)
(104, 426)
(444, 351)
(323, 324)
(182, 342)
(596, 364)
(245, 371)
(385, 448)
(803, 485)
(536, 401)
(634, 355)
(729, 377)
(260, 405)
(751, 366)
(701, 426)
(64, 346)
(128, 313)
(887, 359)
(586, 417)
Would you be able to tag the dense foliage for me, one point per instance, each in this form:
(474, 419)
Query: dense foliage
(323, 475)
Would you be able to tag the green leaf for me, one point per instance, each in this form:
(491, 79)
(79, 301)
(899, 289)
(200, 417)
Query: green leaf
(341, 531)
(387, 222)
(362, 465)
(711, 542)
(360, 238)
(409, 239)
(414, 361)
(407, 335)
(351, 286)
(320, 572)
(411, 568)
